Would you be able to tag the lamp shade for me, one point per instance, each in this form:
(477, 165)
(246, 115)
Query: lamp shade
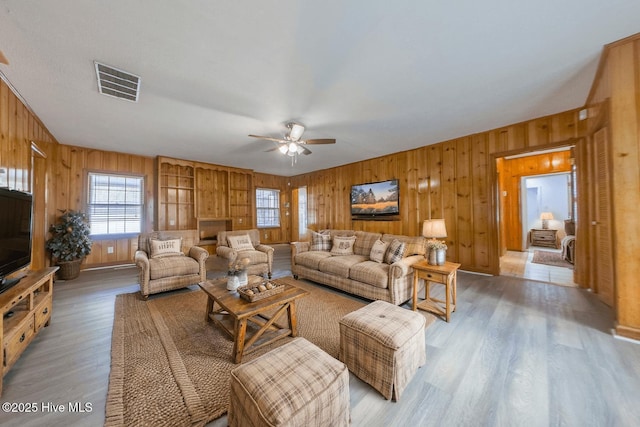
(546, 215)
(434, 228)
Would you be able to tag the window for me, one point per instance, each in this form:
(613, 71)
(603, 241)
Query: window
(267, 207)
(115, 204)
(302, 211)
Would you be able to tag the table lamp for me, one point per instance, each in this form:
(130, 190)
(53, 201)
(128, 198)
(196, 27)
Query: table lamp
(545, 217)
(434, 229)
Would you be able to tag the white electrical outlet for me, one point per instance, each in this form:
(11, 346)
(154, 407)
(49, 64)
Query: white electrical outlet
(109, 249)
(172, 222)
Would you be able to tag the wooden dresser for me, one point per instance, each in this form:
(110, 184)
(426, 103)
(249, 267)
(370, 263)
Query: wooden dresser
(547, 238)
(25, 309)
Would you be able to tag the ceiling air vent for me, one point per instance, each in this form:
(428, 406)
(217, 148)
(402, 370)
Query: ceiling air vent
(117, 83)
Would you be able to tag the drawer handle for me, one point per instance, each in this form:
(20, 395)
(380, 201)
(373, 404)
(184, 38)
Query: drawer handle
(22, 337)
(429, 275)
(46, 310)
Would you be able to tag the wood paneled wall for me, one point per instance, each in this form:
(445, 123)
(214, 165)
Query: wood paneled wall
(23, 137)
(35, 162)
(614, 104)
(510, 172)
(455, 180)
(282, 234)
(68, 185)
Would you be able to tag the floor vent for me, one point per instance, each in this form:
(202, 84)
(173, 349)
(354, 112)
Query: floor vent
(117, 83)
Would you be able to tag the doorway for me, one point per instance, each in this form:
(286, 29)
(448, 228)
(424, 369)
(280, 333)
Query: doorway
(533, 186)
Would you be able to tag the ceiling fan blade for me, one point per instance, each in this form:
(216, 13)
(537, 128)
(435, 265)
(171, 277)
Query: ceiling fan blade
(271, 149)
(320, 141)
(3, 59)
(305, 150)
(268, 138)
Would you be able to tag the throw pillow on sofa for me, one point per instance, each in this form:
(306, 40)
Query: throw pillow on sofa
(240, 243)
(320, 242)
(378, 250)
(343, 245)
(165, 248)
(395, 251)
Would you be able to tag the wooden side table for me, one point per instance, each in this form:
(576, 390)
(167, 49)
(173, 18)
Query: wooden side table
(546, 237)
(441, 274)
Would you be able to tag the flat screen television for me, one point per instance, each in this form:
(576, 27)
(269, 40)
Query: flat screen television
(375, 200)
(15, 234)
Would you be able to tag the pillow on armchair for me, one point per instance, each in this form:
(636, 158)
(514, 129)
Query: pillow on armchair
(240, 243)
(165, 248)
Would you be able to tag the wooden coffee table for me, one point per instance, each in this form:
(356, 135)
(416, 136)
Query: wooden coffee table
(232, 313)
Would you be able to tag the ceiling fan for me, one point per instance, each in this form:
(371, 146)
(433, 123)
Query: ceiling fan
(292, 144)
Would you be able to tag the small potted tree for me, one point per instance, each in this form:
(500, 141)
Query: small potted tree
(69, 243)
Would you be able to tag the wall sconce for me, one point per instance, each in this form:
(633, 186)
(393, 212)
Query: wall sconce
(545, 217)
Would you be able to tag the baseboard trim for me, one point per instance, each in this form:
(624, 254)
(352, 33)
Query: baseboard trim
(627, 333)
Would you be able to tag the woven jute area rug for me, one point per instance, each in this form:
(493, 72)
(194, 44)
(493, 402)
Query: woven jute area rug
(171, 368)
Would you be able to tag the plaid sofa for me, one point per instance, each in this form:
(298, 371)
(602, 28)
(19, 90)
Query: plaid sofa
(357, 273)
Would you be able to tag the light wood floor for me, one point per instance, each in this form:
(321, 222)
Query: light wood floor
(516, 353)
(518, 264)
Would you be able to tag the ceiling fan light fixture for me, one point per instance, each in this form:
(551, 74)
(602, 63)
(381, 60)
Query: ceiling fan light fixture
(296, 131)
(293, 148)
(283, 149)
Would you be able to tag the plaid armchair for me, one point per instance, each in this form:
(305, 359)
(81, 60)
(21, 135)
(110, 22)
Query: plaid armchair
(260, 256)
(166, 272)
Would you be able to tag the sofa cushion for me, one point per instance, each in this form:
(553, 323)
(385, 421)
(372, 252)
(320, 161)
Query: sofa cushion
(364, 242)
(320, 241)
(311, 259)
(343, 245)
(413, 245)
(160, 268)
(378, 251)
(254, 256)
(371, 273)
(395, 252)
(340, 265)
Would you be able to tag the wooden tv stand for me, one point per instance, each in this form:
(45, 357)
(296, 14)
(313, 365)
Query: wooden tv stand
(25, 309)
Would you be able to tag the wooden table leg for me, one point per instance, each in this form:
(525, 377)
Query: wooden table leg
(414, 306)
(293, 320)
(455, 290)
(238, 345)
(447, 298)
(209, 308)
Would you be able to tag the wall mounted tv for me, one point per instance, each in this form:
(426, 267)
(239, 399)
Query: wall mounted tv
(376, 200)
(15, 234)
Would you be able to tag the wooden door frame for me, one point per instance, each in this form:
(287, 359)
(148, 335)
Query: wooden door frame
(495, 196)
(39, 193)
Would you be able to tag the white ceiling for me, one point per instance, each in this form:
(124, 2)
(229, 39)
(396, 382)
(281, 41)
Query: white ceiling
(378, 76)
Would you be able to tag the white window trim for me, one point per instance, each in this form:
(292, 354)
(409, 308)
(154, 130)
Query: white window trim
(275, 224)
(91, 205)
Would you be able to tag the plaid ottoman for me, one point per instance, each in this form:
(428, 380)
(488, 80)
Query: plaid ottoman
(297, 384)
(383, 345)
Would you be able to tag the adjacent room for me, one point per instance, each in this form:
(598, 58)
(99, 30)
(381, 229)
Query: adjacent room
(319, 213)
